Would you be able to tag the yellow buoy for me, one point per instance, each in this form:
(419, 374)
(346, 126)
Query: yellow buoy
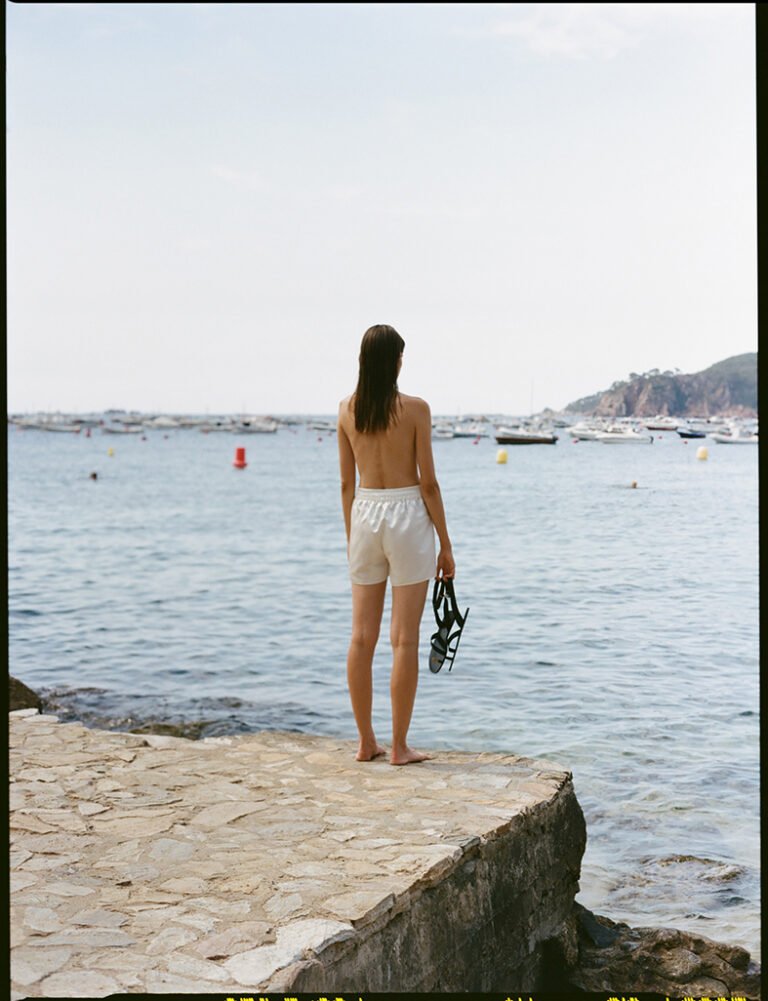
(702, 453)
(110, 451)
(501, 456)
(634, 484)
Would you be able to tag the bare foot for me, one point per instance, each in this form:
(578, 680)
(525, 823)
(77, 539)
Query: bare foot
(367, 752)
(407, 757)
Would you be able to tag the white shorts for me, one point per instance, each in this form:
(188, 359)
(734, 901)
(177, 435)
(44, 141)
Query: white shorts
(391, 534)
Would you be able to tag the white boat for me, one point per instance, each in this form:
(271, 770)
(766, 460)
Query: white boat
(659, 423)
(470, 431)
(524, 436)
(738, 436)
(583, 431)
(255, 427)
(217, 426)
(31, 421)
(127, 429)
(60, 426)
(443, 431)
(705, 424)
(161, 422)
(623, 436)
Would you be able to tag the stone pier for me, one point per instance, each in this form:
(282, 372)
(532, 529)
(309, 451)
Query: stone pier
(276, 862)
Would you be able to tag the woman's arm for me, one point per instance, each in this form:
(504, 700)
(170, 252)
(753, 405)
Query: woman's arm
(430, 488)
(347, 468)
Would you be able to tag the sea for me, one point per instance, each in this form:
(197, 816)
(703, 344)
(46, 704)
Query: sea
(613, 628)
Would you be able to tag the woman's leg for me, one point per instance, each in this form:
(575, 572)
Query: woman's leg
(407, 609)
(367, 606)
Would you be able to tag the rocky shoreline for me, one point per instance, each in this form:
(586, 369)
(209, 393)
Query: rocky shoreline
(122, 875)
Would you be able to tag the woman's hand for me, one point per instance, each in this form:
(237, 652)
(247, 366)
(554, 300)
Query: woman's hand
(446, 566)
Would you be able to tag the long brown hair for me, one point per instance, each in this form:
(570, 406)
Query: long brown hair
(376, 396)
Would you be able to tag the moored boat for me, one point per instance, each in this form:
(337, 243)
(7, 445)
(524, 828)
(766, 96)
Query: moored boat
(470, 431)
(523, 436)
(659, 423)
(738, 437)
(443, 431)
(624, 436)
(162, 422)
(583, 431)
(60, 426)
(255, 427)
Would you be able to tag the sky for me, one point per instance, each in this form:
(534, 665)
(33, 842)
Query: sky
(209, 204)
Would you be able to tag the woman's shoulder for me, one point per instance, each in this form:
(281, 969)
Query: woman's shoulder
(345, 413)
(414, 404)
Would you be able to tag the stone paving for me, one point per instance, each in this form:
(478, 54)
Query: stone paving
(155, 864)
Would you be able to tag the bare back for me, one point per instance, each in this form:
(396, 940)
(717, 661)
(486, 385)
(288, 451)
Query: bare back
(387, 459)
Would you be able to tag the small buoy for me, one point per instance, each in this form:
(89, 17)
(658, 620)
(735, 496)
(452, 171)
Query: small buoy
(634, 484)
(94, 476)
(110, 452)
(319, 438)
(143, 437)
(575, 441)
(501, 456)
(87, 432)
(702, 453)
(239, 462)
(476, 441)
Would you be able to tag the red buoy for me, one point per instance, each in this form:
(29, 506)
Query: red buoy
(239, 462)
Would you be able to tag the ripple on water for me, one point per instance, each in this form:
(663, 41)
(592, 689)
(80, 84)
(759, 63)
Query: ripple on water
(615, 631)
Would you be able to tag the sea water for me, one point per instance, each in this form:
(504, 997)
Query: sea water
(613, 629)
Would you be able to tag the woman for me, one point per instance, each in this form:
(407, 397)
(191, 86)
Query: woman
(390, 521)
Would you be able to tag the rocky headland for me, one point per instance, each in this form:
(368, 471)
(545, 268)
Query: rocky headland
(728, 388)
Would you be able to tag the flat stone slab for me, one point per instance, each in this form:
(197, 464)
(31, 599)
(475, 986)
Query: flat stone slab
(269, 861)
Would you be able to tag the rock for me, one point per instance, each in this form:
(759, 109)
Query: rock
(60, 888)
(91, 809)
(361, 907)
(99, 918)
(222, 814)
(282, 905)
(240, 938)
(729, 386)
(610, 955)
(257, 966)
(30, 965)
(187, 966)
(42, 919)
(79, 983)
(21, 880)
(22, 697)
(186, 885)
(171, 850)
(87, 939)
(169, 939)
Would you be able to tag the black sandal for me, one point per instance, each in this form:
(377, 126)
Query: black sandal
(447, 618)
